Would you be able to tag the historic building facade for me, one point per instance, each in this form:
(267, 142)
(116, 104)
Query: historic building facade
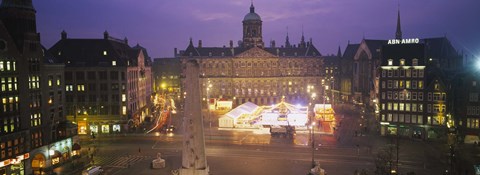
(254, 73)
(108, 83)
(413, 93)
(31, 97)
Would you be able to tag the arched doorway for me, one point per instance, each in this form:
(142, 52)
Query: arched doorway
(38, 164)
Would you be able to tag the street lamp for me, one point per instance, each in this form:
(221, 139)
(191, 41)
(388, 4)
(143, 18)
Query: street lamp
(312, 127)
(209, 87)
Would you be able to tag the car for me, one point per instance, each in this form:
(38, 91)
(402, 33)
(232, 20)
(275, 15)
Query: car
(170, 129)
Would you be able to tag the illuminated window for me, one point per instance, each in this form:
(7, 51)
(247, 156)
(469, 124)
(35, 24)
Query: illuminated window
(124, 97)
(69, 88)
(80, 87)
(124, 110)
(1, 66)
(114, 63)
(8, 65)
(402, 62)
(50, 80)
(390, 62)
(58, 80)
(104, 52)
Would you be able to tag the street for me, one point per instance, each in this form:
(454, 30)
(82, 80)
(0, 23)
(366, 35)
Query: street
(348, 148)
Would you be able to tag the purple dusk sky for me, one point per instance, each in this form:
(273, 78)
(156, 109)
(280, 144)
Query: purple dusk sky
(162, 25)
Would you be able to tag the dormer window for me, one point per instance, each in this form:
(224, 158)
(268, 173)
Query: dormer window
(390, 62)
(114, 63)
(415, 62)
(402, 62)
(104, 52)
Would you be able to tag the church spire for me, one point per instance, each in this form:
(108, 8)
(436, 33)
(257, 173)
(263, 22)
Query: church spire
(252, 8)
(398, 33)
(339, 52)
(302, 41)
(287, 42)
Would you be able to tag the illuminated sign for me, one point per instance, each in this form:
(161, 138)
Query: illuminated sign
(404, 41)
(15, 161)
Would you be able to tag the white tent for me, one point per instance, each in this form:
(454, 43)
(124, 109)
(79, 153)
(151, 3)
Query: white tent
(244, 111)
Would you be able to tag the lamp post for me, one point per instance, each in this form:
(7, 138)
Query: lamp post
(324, 97)
(313, 133)
(209, 87)
(312, 127)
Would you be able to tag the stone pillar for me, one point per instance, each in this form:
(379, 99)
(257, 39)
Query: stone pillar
(194, 161)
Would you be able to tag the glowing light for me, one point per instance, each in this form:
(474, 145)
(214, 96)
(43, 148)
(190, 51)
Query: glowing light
(51, 152)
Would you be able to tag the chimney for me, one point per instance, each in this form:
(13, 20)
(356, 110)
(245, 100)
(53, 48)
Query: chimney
(272, 44)
(231, 43)
(126, 40)
(64, 34)
(105, 35)
(199, 43)
(175, 52)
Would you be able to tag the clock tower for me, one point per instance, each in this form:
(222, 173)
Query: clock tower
(252, 29)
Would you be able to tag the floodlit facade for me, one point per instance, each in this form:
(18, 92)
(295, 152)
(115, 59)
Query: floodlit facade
(108, 83)
(252, 72)
(413, 93)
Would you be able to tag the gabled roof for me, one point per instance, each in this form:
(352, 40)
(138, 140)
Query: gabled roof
(309, 51)
(350, 51)
(246, 108)
(373, 45)
(94, 52)
(439, 48)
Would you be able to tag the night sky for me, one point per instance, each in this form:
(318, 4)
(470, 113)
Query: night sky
(162, 25)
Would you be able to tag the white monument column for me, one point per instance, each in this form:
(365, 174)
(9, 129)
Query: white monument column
(194, 161)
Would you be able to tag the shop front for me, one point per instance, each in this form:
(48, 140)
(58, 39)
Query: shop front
(14, 166)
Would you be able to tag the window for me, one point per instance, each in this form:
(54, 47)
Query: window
(390, 62)
(124, 97)
(420, 73)
(473, 97)
(420, 84)
(414, 73)
(104, 52)
(402, 62)
(69, 88)
(114, 63)
(474, 83)
(50, 80)
(415, 62)
(408, 72)
(420, 96)
(80, 87)
(384, 72)
(59, 80)
(390, 72)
